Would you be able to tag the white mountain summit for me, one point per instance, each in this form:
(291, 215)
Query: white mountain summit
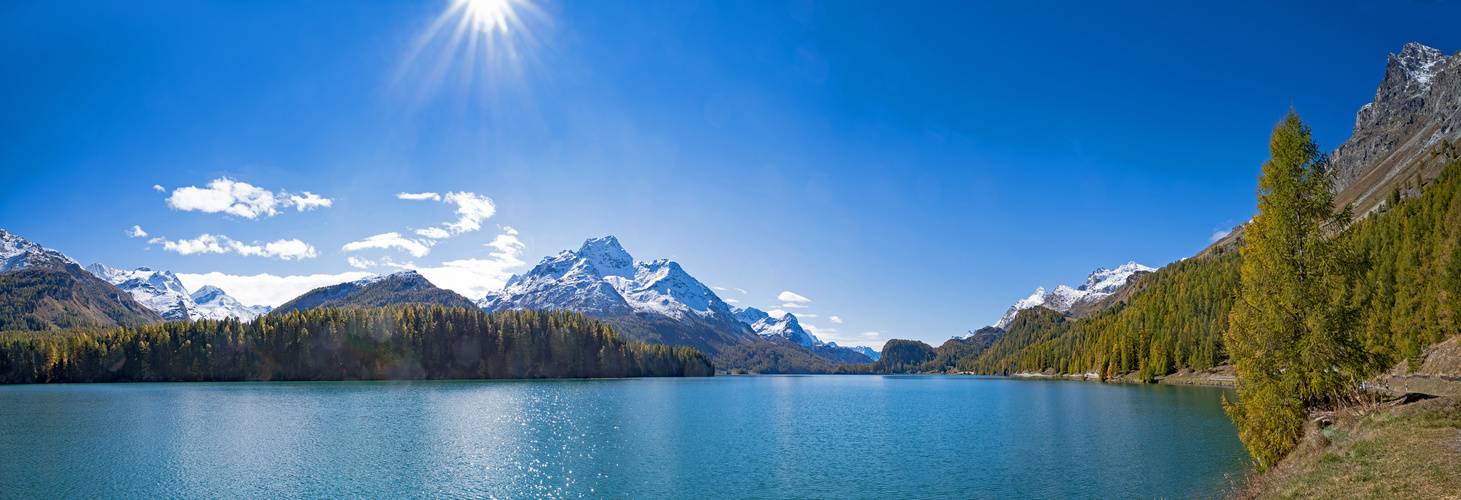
(1100, 284)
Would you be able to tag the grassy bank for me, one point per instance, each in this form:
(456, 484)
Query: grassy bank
(1383, 450)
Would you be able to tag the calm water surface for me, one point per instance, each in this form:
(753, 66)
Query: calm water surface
(723, 437)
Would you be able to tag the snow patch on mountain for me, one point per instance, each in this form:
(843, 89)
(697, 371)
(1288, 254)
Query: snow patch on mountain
(1100, 284)
(1420, 64)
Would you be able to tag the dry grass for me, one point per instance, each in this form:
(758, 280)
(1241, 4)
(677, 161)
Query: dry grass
(1372, 450)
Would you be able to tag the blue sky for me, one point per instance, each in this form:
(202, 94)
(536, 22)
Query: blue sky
(910, 167)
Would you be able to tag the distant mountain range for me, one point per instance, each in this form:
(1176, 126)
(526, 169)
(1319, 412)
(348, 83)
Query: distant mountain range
(162, 292)
(1100, 284)
(655, 301)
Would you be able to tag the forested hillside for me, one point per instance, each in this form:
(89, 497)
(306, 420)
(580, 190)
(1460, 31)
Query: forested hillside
(393, 342)
(41, 298)
(1407, 254)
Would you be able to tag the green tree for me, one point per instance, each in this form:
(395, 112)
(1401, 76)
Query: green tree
(1291, 334)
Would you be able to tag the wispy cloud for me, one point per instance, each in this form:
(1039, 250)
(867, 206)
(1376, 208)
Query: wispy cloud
(417, 248)
(266, 289)
(419, 196)
(475, 277)
(731, 301)
(241, 199)
(360, 263)
(159, 188)
(290, 249)
(794, 305)
(836, 320)
(136, 232)
(792, 297)
(472, 209)
(1218, 235)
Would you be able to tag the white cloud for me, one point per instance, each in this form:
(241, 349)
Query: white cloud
(136, 232)
(509, 230)
(309, 201)
(743, 292)
(471, 211)
(291, 249)
(791, 297)
(435, 233)
(1219, 234)
(732, 301)
(159, 188)
(417, 248)
(240, 199)
(360, 263)
(266, 289)
(721, 288)
(836, 320)
(806, 315)
(776, 313)
(475, 277)
(794, 305)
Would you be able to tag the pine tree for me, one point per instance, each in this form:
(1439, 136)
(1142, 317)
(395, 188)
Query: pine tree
(1290, 333)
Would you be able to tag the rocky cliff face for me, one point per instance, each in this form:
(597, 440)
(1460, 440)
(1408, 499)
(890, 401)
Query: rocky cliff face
(1414, 110)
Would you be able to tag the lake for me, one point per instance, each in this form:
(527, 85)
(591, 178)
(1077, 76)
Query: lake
(721, 437)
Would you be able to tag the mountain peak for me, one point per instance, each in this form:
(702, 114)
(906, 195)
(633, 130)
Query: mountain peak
(1417, 63)
(607, 255)
(19, 253)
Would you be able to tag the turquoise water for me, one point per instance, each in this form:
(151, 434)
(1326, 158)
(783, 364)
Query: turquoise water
(722, 437)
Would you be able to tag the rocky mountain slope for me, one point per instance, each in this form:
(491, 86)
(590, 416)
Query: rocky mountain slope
(405, 287)
(43, 289)
(1414, 111)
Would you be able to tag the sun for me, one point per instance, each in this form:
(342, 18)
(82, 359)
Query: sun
(487, 16)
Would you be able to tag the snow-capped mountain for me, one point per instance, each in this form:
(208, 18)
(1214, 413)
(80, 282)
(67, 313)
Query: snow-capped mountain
(602, 280)
(867, 351)
(212, 302)
(1100, 284)
(785, 327)
(1033, 300)
(162, 292)
(17, 253)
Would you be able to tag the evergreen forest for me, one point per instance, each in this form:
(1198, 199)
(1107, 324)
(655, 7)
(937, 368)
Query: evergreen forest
(392, 342)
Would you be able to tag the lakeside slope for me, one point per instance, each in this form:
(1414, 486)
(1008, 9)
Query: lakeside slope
(1384, 450)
